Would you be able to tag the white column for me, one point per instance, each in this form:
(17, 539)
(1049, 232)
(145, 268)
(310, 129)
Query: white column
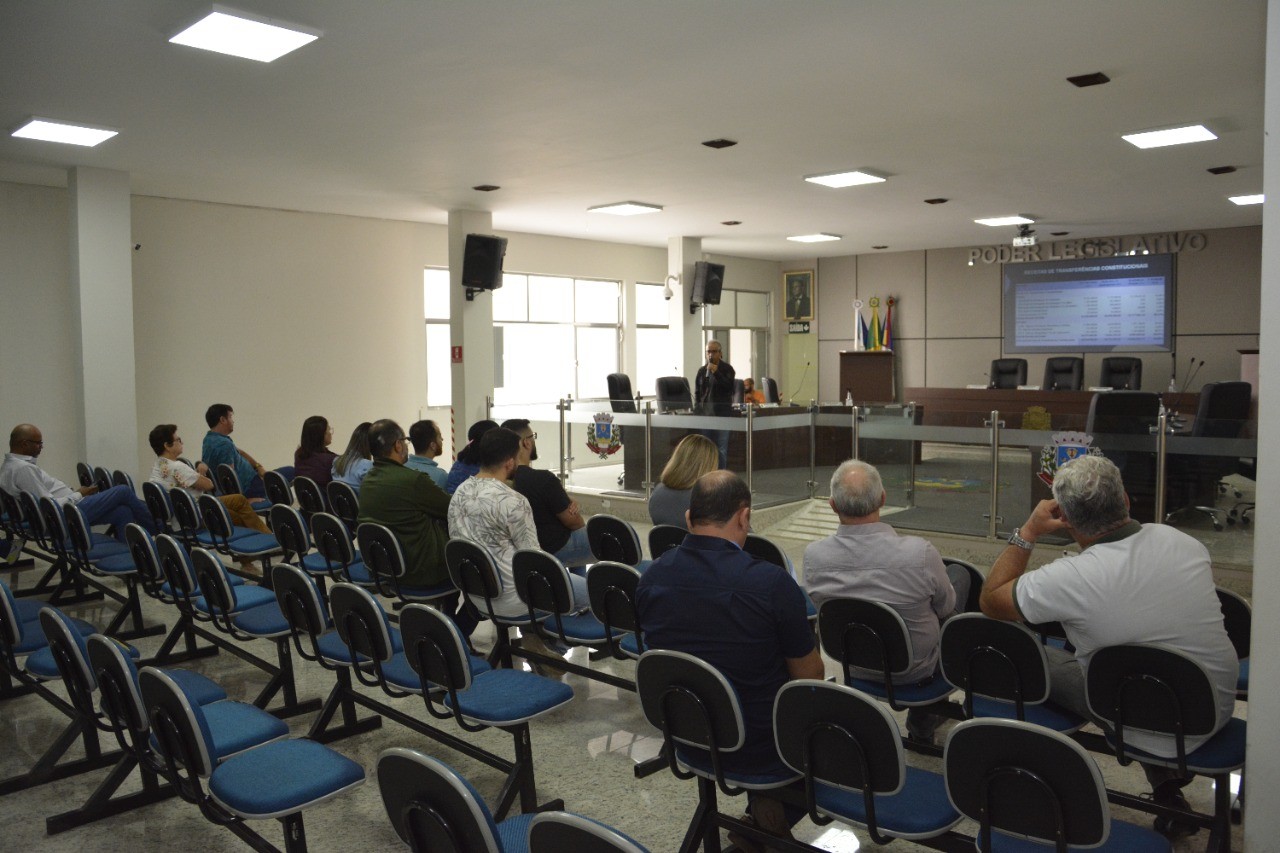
(686, 328)
(1262, 823)
(470, 327)
(102, 290)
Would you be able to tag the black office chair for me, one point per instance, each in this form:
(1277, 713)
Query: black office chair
(770, 390)
(1063, 373)
(737, 397)
(1008, 372)
(621, 399)
(1121, 373)
(673, 394)
(1124, 413)
(1221, 413)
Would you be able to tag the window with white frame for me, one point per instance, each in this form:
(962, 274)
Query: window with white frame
(435, 301)
(653, 339)
(741, 324)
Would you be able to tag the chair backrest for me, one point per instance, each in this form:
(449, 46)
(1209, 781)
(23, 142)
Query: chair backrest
(838, 736)
(1237, 617)
(278, 491)
(553, 832)
(471, 568)
(215, 586)
(186, 513)
(345, 503)
(54, 524)
(770, 386)
(361, 622)
(217, 520)
(766, 549)
(157, 501)
(299, 600)
(999, 660)
(382, 556)
(620, 397)
(10, 625)
(178, 723)
(123, 478)
(71, 656)
(1008, 372)
(30, 511)
(431, 807)
(1063, 373)
(10, 513)
(226, 480)
(976, 580)
(542, 581)
(858, 632)
(310, 498)
(434, 647)
(1121, 373)
(78, 536)
(664, 537)
(117, 680)
(1025, 780)
(612, 590)
(142, 547)
(1223, 409)
(101, 478)
(673, 393)
(690, 701)
(290, 531)
(1152, 688)
(614, 539)
(333, 540)
(1123, 413)
(84, 473)
(176, 565)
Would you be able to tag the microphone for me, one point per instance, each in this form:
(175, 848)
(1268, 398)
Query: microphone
(1192, 377)
(791, 399)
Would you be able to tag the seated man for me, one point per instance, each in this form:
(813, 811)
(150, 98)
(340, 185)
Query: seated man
(561, 528)
(220, 449)
(1131, 583)
(427, 445)
(751, 395)
(117, 506)
(742, 615)
(866, 558)
(414, 508)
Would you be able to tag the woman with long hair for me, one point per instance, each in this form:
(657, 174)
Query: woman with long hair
(355, 462)
(694, 456)
(313, 458)
(467, 464)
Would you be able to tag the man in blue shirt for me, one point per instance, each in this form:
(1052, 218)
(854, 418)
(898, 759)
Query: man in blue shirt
(219, 449)
(744, 616)
(427, 445)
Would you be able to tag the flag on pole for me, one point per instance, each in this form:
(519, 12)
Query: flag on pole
(874, 342)
(887, 343)
(859, 327)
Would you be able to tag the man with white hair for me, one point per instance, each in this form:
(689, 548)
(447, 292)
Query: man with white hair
(866, 558)
(1131, 583)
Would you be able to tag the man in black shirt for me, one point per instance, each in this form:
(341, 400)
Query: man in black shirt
(713, 392)
(561, 528)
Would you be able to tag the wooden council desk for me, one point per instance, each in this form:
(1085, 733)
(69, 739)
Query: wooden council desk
(971, 406)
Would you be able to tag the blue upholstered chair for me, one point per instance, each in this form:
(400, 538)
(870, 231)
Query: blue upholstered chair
(276, 780)
(342, 562)
(384, 560)
(311, 497)
(114, 561)
(228, 483)
(847, 747)
(472, 570)
(1031, 789)
(614, 539)
(1237, 618)
(278, 491)
(554, 831)
(238, 542)
(191, 530)
(345, 503)
(612, 589)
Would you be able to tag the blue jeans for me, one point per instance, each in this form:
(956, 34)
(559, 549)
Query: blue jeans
(577, 551)
(117, 506)
(721, 438)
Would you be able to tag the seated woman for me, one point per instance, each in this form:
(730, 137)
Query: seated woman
(356, 461)
(467, 464)
(694, 456)
(313, 458)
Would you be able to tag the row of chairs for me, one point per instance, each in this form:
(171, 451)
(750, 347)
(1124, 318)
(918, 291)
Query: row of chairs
(1066, 373)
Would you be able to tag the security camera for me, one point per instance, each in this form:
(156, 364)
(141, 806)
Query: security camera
(137, 246)
(667, 292)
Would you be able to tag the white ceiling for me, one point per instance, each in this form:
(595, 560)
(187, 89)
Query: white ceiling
(403, 105)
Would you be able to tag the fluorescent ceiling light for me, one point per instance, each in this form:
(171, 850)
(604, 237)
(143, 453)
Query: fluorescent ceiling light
(814, 238)
(59, 131)
(845, 179)
(1173, 136)
(626, 208)
(1246, 199)
(246, 36)
(997, 221)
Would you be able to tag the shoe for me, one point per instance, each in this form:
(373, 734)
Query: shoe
(533, 643)
(1172, 827)
(923, 741)
(741, 842)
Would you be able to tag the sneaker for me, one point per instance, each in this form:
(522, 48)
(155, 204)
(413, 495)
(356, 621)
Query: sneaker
(1173, 827)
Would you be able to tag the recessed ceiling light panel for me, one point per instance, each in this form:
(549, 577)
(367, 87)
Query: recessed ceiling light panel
(1172, 136)
(839, 180)
(48, 130)
(998, 221)
(240, 34)
(626, 208)
(814, 238)
(1246, 199)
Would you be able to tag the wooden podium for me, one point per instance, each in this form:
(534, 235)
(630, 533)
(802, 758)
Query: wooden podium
(868, 376)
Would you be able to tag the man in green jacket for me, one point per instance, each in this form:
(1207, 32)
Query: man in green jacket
(415, 509)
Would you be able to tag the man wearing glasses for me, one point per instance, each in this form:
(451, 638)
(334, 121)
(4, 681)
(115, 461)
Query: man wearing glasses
(713, 390)
(561, 528)
(117, 506)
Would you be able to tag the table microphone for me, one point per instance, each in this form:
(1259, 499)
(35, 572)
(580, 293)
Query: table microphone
(1193, 375)
(792, 398)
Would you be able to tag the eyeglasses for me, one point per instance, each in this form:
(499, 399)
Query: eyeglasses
(713, 351)
(33, 441)
(532, 435)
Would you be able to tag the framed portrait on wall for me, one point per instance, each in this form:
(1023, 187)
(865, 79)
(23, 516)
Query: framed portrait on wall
(798, 295)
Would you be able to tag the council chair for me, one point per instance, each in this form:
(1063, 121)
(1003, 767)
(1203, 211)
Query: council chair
(1008, 373)
(673, 394)
(1121, 373)
(1063, 373)
(621, 399)
(1221, 413)
(1031, 789)
(770, 387)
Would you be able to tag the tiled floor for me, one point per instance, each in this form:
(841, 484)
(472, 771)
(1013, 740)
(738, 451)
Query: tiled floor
(584, 753)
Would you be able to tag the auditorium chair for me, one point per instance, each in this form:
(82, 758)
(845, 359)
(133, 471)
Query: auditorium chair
(612, 589)
(615, 539)
(1121, 373)
(621, 400)
(1008, 373)
(239, 543)
(673, 394)
(1237, 618)
(108, 561)
(1063, 373)
(383, 558)
(664, 537)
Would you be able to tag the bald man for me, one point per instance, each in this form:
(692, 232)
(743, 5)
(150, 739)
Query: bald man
(116, 506)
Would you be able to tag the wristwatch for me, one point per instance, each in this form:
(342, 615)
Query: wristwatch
(1019, 542)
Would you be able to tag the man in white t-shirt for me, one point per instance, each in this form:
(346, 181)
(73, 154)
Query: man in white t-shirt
(1130, 584)
(172, 473)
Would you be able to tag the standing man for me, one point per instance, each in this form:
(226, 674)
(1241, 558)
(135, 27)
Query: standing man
(220, 449)
(117, 506)
(713, 391)
(866, 558)
(743, 616)
(1131, 583)
(427, 445)
(561, 528)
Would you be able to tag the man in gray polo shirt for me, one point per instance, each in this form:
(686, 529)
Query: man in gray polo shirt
(866, 558)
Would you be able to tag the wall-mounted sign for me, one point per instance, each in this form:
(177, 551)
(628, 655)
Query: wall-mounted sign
(797, 328)
(1091, 247)
(455, 355)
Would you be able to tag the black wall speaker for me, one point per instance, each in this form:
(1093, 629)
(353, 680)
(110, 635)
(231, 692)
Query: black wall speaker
(708, 279)
(482, 262)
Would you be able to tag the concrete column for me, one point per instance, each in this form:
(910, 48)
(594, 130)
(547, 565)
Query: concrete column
(470, 327)
(686, 328)
(102, 290)
(1262, 823)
